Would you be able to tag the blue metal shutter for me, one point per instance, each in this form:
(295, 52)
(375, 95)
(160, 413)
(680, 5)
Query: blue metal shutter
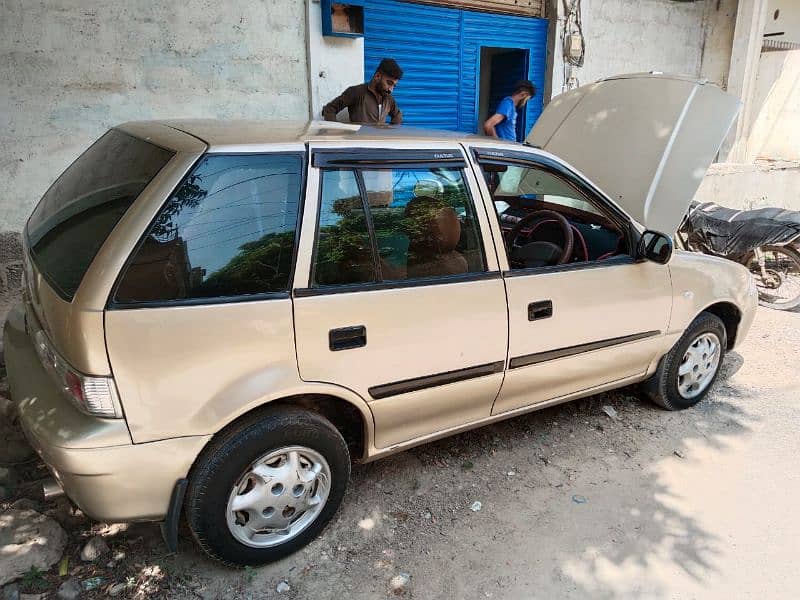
(439, 51)
(425, 41)
(501, 31)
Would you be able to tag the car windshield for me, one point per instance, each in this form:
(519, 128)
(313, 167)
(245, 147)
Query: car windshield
(79, 211)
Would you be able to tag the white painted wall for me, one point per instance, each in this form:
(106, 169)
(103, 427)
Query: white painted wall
(787, 19)
(775, 130)
(69, 70)
(335, 62)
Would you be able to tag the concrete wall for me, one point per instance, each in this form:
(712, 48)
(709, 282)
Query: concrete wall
(719, 22)
(69, 70)
(627, 36)
(752, 186)
(775, 129)
(335, 63)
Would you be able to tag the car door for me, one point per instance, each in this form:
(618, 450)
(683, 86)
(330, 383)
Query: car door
(581, 326)
(398, 294)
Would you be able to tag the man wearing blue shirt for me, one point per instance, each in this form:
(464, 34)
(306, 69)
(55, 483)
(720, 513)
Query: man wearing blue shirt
(503, 123)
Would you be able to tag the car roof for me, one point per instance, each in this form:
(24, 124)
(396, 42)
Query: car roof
(219, 133)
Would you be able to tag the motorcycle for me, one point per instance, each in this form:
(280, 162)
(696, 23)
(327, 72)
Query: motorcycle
(765, 240)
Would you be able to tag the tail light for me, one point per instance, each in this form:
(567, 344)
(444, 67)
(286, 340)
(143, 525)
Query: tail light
(95, 396)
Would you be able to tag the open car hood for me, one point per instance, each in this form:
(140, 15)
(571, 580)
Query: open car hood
(645, 139)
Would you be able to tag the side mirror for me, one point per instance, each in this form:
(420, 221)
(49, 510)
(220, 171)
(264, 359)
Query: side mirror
(654, 246)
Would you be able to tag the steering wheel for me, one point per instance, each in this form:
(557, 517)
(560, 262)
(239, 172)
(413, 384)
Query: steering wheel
(539, 254)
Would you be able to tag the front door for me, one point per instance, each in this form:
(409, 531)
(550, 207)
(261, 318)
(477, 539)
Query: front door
(590, 319)
(398, 294)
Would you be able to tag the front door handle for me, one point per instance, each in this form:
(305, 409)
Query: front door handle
(543, 309)
(346, 338)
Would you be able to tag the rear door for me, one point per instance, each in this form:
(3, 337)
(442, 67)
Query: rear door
(398, 294)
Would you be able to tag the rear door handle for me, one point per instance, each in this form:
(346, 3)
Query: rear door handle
(542, 309)
(346, 338)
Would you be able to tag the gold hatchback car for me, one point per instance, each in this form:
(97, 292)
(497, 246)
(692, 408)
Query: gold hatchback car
(220, 316)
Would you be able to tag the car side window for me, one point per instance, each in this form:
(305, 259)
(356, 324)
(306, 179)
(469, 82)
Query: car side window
(420, 223)
(228, 230)
(537, 184)
(547, 220)
(343, 249)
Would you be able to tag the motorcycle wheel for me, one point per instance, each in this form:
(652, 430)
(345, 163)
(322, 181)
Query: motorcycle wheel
(780, 288)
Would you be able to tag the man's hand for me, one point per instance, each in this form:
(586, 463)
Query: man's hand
(491, 123)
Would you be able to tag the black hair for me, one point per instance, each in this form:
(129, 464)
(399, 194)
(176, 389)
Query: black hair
(525, 86)
(390, 68)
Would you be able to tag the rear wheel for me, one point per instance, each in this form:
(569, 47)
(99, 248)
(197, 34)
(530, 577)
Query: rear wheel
(686, 373)
(779, 282)
(267, 487)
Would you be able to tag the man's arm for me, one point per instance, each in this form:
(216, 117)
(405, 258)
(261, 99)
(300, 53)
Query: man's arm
(395, 114)
(491, 123)
(338, 104)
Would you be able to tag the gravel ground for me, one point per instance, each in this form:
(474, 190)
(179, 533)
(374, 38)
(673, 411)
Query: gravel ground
(573, 503)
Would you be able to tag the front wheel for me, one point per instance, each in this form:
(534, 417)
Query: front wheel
(267, 487)
(686, 373)
(778, 282)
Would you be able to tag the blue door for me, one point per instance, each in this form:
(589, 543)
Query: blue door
(507, 69)
(439, 50)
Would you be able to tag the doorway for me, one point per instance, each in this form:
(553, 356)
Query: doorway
(500, 69)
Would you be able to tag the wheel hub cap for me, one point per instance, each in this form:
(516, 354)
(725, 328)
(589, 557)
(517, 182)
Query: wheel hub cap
(698, 366)
(278, 496)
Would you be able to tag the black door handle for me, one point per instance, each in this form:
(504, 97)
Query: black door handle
(346, 338)
(543, 309)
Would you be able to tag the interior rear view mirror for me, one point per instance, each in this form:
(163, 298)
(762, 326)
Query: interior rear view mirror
(655, 246)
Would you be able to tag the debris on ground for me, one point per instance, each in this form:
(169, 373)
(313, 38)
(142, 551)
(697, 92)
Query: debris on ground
(399, 583)
(70, 590)
(94, 549)
(10, 592)
(283, 587)
(578, 499)
(476, 506)
(28, 539)
(92, 583)
(678, 453)
(611, 412)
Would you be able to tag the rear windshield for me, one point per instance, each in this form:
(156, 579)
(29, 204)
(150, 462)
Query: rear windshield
(80, 209)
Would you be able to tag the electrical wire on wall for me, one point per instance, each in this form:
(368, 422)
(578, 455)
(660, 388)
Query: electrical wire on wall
(573, 44)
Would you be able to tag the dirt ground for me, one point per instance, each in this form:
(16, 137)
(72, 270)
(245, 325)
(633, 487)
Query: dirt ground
(573, 504)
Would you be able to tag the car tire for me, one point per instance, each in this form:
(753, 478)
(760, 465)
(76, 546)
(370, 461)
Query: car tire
(255, 462)
(672, 390)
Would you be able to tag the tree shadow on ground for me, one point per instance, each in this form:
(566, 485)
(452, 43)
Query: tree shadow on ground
(412, 511)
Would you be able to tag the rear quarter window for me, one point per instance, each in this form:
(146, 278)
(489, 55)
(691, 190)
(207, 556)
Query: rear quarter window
(79, 211)
(227, 231)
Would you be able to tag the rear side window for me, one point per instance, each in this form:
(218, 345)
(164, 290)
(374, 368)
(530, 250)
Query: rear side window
(407, 224)
(228, 230)
(78, 212)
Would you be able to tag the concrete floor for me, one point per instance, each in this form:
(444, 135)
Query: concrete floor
(696, 504)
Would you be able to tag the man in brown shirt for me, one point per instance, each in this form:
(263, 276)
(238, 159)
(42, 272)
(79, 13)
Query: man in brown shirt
(371, 102)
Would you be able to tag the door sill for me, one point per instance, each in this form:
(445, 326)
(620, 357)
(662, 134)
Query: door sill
(376, 453)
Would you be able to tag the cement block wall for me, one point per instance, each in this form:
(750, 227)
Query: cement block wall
(69, 70)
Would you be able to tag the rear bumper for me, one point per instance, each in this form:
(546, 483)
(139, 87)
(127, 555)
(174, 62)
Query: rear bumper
(102, 472)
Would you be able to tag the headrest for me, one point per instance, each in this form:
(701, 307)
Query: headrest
(432, 224)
